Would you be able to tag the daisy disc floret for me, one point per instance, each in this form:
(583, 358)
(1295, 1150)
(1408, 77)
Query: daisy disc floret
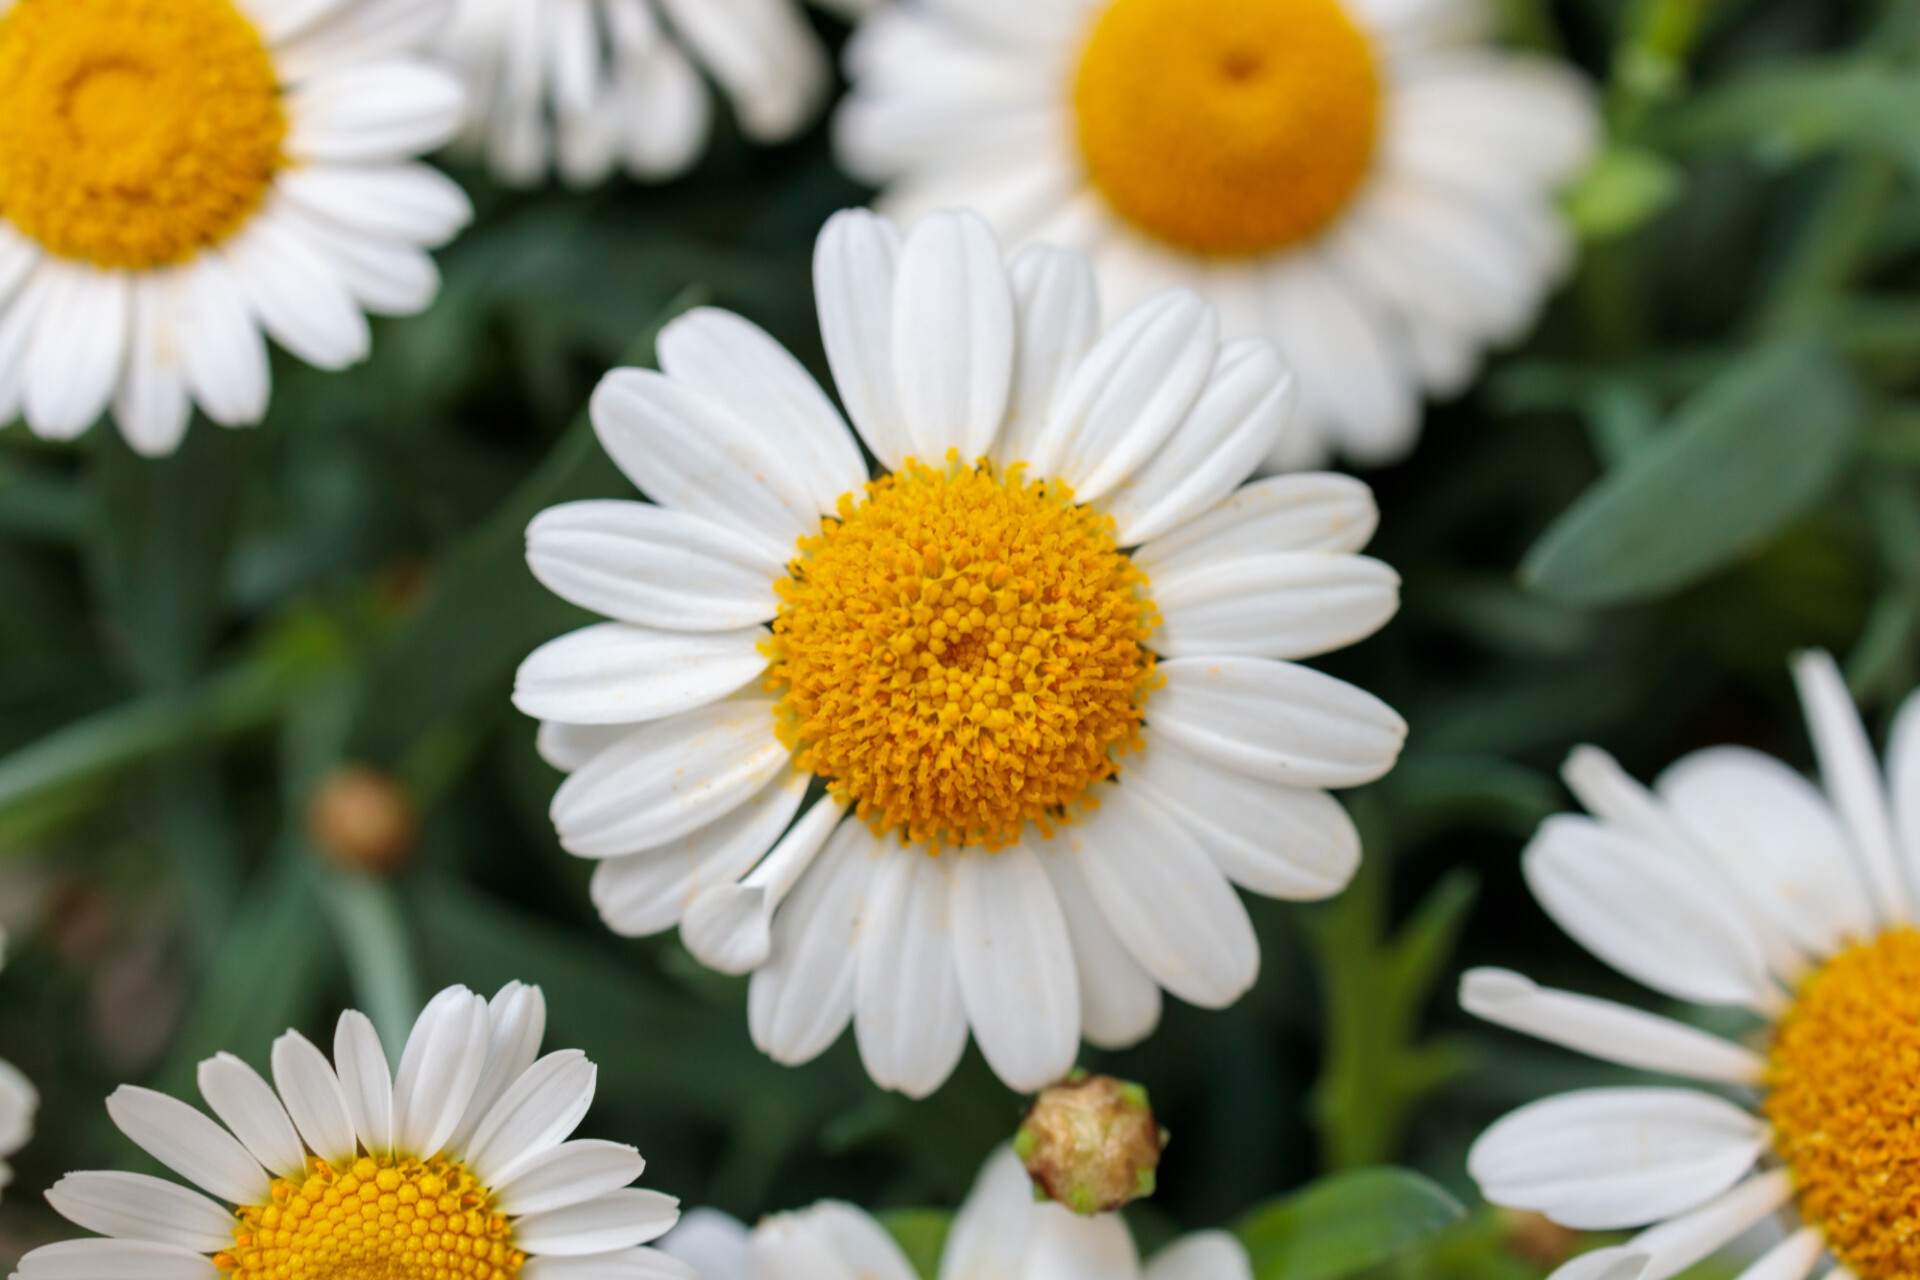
(1000, 1233)
(1734, 882)
(181, 178)
(978, 739)
(1360, 180)
(456, 1167)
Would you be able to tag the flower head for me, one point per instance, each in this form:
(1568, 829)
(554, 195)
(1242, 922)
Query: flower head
(454, 1168)
(1733, 882)
(1043, 667)
(1355, 178)
(178, 177)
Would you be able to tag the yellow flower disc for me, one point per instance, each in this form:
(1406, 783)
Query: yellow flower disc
(1227, 127)
(1845, 1104)
(134, 133)
(379, 1220)
(962, 652)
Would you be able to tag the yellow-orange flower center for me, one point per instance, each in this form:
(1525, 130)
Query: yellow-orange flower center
(962, 652)
(134, 133)
(1844, 1099)
(385, 1219)
(1227, 127)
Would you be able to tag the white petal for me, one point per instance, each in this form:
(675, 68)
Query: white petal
(1328, 513)
(729, 927)
(648, 893)
(1605, 1030)
(151, 404)
(377, 113)
(439, 1070)
(79, 348)
(132, 1206)
(668, 779)
(1356, 381)
(1614, 1263)
(413, 204)
(618, 673)
(534, 1115)
(517, 1015)
(616, 1220)
(1776, 838)
(953, 337)
(1611, 794)
(568, 747)
(1204, 1255)
(908, 1016)
(223, 355)
(689, 452)
(1130, 394)
(1653, 917)
(1166, 899)
(854, 266)
(1066, 1246)
(1674, 1246)
(1293, 604)
(1277, 721)
(1057, 315)
(1852, 777)
(991, 1232)
(306, 1083)
(1791, 1259)
(712, 1242)
(1602, 1159)
(299, 294)
(115, 1260)
(384, 277)
(740, 366)
(1903, 779)
(1233, 426)
(568, 1174)
(1016, 966)
(1277, 841)
(361, 1062)
(623, 1264)
(1119, 1001)
(189, 1144)
(802, 999)
(248, 1105)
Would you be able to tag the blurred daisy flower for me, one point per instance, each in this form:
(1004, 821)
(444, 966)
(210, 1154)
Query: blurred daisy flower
(178, 176)
(1053, 645)
(587, 86)
(1362, 180)
(456, 1168)
(1000, 1233)
(18, 1103)
(1734, 882)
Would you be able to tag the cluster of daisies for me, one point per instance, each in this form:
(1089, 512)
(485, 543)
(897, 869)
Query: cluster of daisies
(1368, 183)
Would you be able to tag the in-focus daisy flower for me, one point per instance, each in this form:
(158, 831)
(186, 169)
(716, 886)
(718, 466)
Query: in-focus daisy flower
(1360, 179)
(1734, 882)
(1000, 1233)
(178, 176)
(455, 1168)
(18, 1103)
(588, 86)
(1046, 660)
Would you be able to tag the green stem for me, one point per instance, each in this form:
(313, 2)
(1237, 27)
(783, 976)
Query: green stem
(373, 936)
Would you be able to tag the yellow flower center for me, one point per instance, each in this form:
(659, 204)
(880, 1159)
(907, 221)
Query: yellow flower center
(1227, 127)
(379, 1220)
(134, 133)
(1844, 1099)
(962, 652)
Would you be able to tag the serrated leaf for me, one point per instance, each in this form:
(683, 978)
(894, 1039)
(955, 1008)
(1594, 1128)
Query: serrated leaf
(1344, 1224)
(1753, 450)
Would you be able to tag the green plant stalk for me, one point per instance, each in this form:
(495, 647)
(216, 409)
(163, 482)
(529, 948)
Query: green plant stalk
(374, 937)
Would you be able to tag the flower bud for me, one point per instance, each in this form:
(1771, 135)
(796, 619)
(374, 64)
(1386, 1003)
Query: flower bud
(363, 820)
(1091, 1144)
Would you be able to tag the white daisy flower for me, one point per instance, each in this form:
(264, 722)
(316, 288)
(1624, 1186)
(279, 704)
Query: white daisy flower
(455, 1168)
(587, 86)
(19, 1100)
(1059, 585)
(178, 176)
(1000, 1233)
(1733, 882)
(1361, 180)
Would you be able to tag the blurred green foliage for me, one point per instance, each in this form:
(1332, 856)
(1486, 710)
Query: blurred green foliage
(1708, 457)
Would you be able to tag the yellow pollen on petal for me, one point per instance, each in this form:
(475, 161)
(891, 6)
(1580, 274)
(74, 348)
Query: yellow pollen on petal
(1227, 127)
(1844, 1099)
(380, 1219)
(134, 133)
(961, 652)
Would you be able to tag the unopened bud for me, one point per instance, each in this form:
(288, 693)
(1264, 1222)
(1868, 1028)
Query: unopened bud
(362, 819)
(1091, 1144)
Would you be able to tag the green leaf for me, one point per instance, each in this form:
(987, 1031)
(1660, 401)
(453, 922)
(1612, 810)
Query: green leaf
(1790, 112)
(921, 1234)
(1752, 451)
(1344, 1224)
(1622, 191)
